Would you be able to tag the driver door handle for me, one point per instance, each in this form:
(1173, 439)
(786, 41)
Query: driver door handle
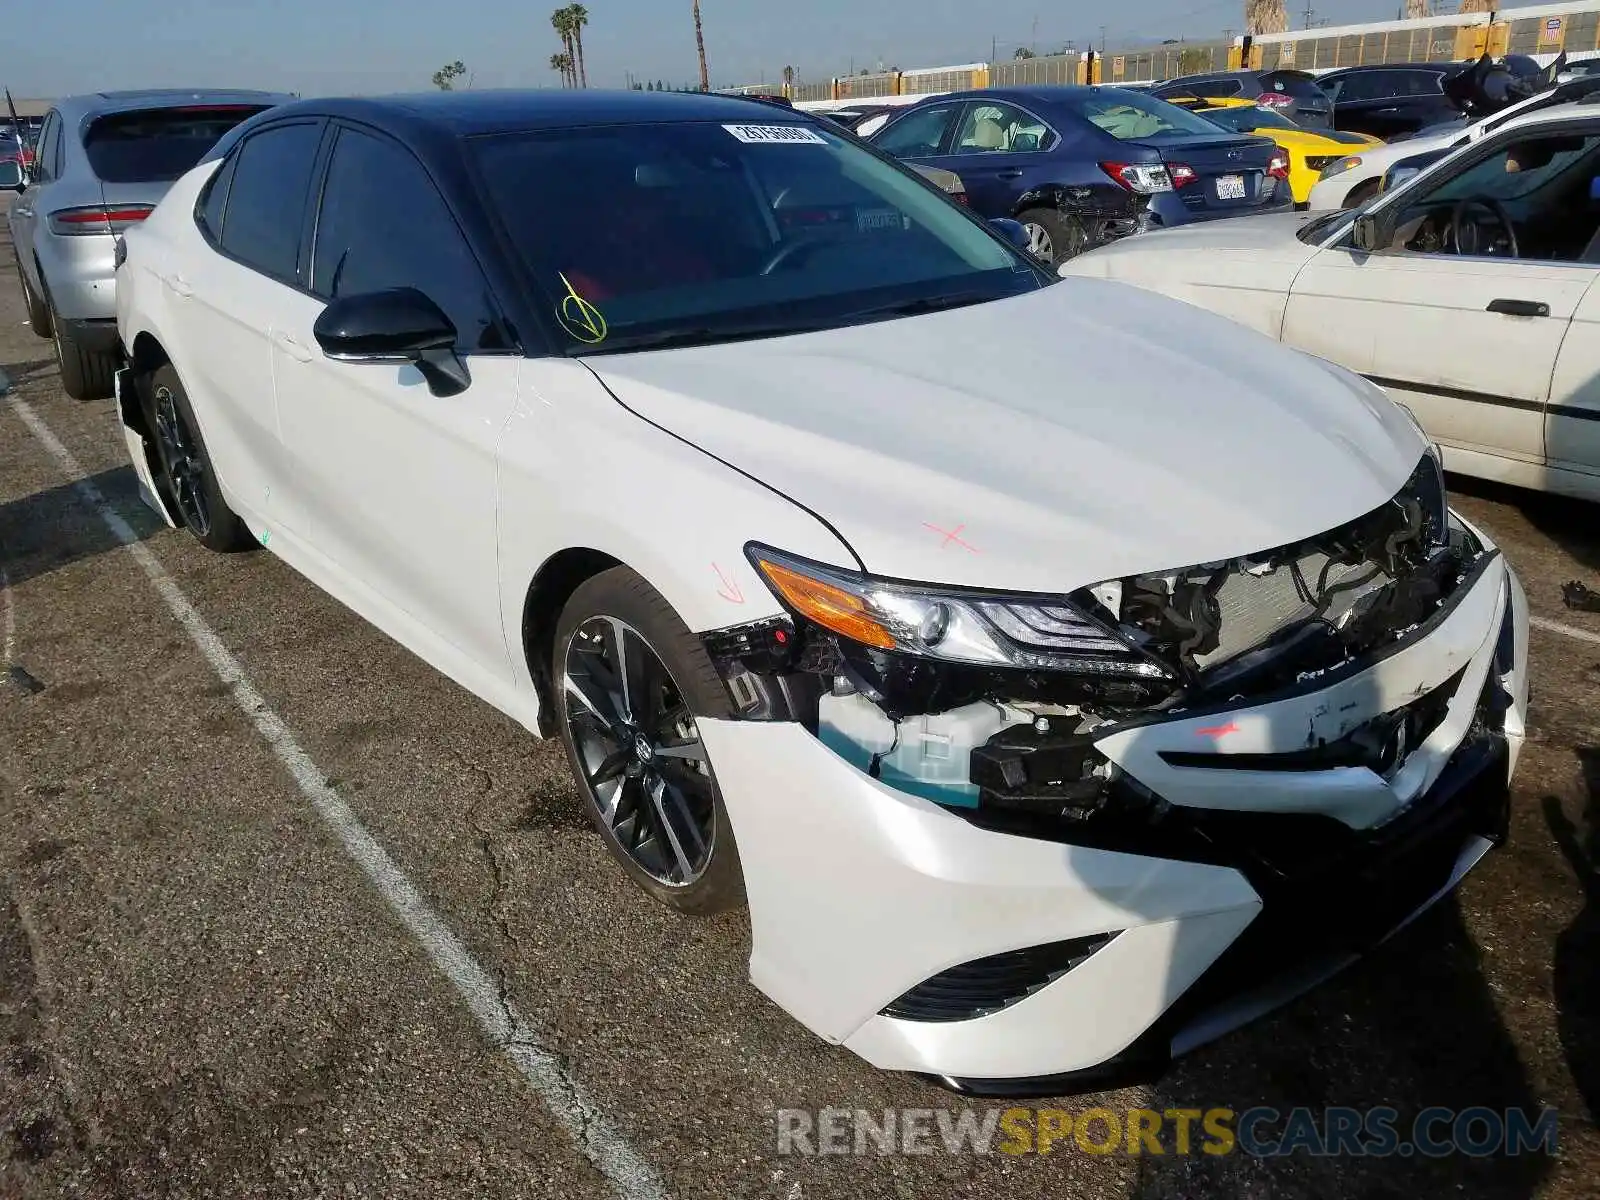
(1520, 308)
(1010, 173)
(295, 350)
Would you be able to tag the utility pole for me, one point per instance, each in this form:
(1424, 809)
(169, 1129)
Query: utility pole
(1102, 41)
(1310, 13)
(700, 45)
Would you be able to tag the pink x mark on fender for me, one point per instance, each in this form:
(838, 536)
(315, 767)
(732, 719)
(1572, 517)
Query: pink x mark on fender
(952, 535)
(1218, 731)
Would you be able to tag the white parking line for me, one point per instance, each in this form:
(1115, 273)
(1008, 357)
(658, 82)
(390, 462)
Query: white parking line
(10, 641)
(631, 1176)
(1571, 631)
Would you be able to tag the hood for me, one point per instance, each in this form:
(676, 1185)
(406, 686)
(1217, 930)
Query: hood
(1313, 141)
(1079, 433)
(1267, 233)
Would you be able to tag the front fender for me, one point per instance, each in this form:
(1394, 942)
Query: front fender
(578, 470)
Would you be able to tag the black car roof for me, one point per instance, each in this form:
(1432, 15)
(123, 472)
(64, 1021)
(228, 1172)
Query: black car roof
(1368, 68)
(503, 111)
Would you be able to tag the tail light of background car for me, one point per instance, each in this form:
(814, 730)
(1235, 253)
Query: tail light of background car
(1181, 174)
(1144, 179)
(1274, 100)
(1278, 166)
(94, 219)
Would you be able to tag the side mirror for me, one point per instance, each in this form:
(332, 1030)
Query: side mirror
(1013, 231)
(1373, 232)
(397, 325)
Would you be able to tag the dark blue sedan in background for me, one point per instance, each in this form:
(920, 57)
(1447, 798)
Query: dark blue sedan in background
(1082, 165)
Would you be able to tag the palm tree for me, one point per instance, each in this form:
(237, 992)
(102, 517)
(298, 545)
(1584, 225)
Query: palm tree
(563, 63)
(561, 22)
(578, 17)
(700, 44)
(1266, 16)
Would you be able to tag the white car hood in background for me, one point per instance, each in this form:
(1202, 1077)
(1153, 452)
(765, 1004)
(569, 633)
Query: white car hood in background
(1262, 246)
(1079, 433)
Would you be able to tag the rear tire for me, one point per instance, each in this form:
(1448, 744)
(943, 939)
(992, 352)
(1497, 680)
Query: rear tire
(38, 310)
(85, 374)
(1053, 236)
(186, 466)
(628, 742)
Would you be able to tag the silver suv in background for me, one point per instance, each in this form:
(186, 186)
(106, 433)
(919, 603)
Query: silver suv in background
(102, 163)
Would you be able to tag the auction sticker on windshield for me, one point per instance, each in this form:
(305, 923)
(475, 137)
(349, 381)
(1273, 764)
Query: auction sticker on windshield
(758, 134)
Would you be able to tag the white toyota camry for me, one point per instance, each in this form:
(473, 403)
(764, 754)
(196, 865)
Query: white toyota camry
(1062, 676)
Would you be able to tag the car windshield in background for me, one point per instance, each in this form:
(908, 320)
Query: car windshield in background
(157, 145)
(1131, 117)
(673, 234)
(1243, 119)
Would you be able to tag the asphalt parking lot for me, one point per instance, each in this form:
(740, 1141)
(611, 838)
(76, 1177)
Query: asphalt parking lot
(206, 989)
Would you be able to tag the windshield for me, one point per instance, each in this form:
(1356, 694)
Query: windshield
(1130, 116)
(1243, 118)
(675, 233)
(158, 145)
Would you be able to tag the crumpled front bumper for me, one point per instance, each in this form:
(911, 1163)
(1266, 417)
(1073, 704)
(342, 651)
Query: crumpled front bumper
(860, 893)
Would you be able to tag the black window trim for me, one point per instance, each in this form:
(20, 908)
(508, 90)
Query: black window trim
(516, 343)
(233, 154)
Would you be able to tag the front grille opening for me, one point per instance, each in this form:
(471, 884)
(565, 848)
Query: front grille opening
(1381, 744)
(987, 985)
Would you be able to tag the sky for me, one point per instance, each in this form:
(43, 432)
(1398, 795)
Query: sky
(323, 47)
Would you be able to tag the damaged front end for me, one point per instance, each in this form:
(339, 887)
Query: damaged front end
(992, 705)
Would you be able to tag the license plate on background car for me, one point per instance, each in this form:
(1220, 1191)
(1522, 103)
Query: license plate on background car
(1230, 187)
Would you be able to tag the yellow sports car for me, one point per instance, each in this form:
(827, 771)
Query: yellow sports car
(1308, 150)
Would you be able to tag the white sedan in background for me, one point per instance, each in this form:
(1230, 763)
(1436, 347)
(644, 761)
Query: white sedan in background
(1351, 181)
(1468, 294)
(1048, 724)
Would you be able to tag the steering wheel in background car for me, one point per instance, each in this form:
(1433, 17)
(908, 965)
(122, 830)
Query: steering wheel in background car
(1459, 223)
(785, 253)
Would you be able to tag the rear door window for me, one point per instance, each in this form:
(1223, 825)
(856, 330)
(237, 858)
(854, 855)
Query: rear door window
(45, 156)
(158, 145)
(1216, 88)
(1293, 83)
(996, 128)
(267, 201)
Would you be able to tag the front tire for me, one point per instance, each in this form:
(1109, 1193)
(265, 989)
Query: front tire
(629, 680)
(38, 310)
(1054, 237)
(1361, 193)
(186, 467)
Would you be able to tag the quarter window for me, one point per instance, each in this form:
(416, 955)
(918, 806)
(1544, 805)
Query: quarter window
(384, 225)
(209, 214)
(267, 200)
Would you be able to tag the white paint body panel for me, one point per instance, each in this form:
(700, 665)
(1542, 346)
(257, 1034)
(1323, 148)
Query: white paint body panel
(1071, 448)
(1407, 318)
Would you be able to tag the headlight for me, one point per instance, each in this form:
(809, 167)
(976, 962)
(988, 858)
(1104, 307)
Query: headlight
(1340, 166)
(980, 628)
